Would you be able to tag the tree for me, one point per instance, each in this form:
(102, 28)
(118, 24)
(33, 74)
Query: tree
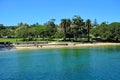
(20, 24)
(31, 32)
(35, 25)
(39, 31)
(2, 26)
(77, 20)
(95, 32)
(107, 32)
(50, 28)
(103, 31)
(5, 32)
(77, 25)
(65, 25)
(114, 29)
(59, 34)
(88, 25)
(51, 23)
(95, 23)
(22, 31)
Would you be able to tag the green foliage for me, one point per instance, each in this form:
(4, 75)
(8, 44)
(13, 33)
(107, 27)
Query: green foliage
(7, 32)
(109, 32)
(65, 25)
(69, 29)
(88, 25)
(77, 20)
(114, 29)
(59, 34)
(95, 31)
(95, 23)
(77, 26)
(2, 26)
(22, 32)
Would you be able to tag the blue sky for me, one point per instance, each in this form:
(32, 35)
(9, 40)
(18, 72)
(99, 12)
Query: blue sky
(31, 11)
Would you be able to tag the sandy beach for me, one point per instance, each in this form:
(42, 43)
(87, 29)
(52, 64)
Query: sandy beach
(58, 45)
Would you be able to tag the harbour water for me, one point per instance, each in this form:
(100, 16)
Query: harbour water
(84, 63)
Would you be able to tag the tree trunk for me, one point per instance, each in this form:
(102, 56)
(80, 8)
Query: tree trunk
(88, 34)
(65, 34)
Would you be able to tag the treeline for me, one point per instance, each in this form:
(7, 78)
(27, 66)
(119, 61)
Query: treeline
(107, 32)
(73, 29)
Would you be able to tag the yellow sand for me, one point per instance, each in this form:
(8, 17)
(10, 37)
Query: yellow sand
(63, 46)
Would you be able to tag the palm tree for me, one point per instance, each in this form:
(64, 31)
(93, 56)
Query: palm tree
(65, 24)
(77, 20)
(88, 25)
(77, 23)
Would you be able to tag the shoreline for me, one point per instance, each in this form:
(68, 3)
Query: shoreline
(69, 45)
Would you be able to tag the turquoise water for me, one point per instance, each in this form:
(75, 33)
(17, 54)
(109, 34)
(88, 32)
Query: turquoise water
(86, 63)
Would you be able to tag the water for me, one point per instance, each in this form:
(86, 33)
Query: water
(86, 63)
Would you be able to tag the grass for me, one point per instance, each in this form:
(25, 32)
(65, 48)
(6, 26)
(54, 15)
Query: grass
(13, 40)
(20, 40)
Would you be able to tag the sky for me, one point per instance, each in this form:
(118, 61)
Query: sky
(13, 12)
